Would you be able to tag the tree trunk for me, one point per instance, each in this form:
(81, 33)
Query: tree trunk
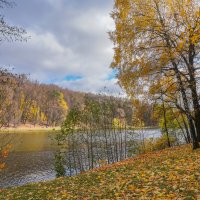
(195, 144)
(193, 88)
(186, 106)
(186, 129)
(165, 120)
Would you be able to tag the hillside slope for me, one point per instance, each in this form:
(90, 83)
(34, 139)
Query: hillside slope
(168, 174)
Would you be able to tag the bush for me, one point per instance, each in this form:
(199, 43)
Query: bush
(153, 144)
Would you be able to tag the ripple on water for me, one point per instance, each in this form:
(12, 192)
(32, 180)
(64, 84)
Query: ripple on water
(27, 167)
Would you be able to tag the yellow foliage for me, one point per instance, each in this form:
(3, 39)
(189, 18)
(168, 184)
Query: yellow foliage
(62, 102)
(43, 117)
(117, 123)
(150, 35)
(153, 144)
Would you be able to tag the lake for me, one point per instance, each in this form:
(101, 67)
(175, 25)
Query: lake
(32, 158)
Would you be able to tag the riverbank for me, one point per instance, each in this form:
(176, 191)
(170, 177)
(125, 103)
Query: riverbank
(143, 128)
(168, 174)
(29, 128)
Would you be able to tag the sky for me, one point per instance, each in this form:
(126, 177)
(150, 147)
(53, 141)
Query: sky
(68, 46)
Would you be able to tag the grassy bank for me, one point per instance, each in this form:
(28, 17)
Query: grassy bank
(169, 174)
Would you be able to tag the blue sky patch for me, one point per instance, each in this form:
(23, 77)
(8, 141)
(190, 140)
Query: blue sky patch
(112, 75)
(73, 78)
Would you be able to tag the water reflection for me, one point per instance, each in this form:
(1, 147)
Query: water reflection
(32, 159)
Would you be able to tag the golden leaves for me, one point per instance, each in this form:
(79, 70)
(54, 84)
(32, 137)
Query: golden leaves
(150, 34)
(124, 7)
(168, 174)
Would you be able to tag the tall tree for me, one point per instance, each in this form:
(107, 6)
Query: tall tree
(160, 37)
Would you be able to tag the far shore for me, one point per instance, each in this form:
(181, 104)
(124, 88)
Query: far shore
(29, 128)
(32, 128)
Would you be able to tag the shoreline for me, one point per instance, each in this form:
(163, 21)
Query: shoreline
(28, 128)
(32, 128)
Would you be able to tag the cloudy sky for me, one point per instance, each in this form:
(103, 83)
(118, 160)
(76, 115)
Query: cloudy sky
(69, 44)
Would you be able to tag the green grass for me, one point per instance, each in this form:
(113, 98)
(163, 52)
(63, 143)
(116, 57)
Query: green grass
(168, 174)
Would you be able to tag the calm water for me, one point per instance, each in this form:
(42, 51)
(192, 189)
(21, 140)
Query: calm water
(32, 159)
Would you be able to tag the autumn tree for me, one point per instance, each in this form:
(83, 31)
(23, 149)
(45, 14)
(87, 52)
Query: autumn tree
(158, 39)
(143, 112)
(56, 107)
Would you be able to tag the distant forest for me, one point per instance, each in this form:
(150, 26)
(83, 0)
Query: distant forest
(29, 102)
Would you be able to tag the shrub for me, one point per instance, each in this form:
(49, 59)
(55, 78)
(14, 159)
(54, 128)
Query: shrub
(153, 144)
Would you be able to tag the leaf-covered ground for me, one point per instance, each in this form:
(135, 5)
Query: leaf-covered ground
(169, 174)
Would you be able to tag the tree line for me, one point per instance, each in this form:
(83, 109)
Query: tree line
(29, 102)
(26, 102)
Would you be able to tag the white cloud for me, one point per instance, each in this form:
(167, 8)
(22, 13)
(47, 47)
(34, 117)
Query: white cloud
(70, 39)
(93, 23)
(90, 84)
